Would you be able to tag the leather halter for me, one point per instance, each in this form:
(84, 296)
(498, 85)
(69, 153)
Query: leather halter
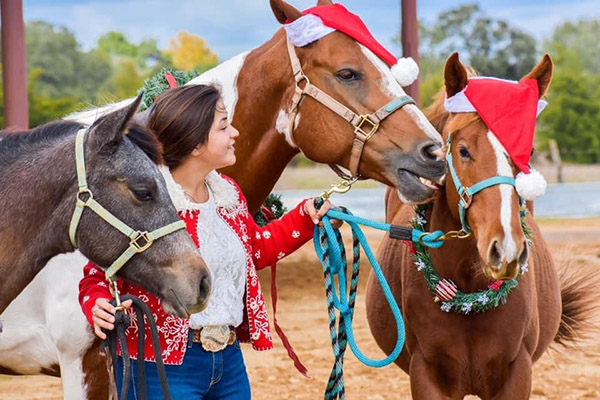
(365, 125)
(139, 241)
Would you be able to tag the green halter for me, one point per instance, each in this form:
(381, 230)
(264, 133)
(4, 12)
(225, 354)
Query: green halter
(139, 241)
(466, 193)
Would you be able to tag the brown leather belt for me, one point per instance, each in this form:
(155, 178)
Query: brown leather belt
(214, 338)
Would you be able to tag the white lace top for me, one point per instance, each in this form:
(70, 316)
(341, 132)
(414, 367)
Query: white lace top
(226, 259)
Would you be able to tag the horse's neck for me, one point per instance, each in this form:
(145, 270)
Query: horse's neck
(458, 259)
(35, 215)
(263, 83)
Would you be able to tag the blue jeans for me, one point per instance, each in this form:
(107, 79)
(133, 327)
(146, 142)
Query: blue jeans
(203, 375)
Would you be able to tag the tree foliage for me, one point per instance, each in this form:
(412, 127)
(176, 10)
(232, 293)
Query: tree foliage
(189, 51)
(572, 117)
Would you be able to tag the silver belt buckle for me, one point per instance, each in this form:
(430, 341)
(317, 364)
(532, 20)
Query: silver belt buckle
(215, 337)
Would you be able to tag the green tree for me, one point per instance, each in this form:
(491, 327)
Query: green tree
(146, 54)
(43, 108)
(572, 117)
(63, 70)
(581, 37)
(489, 45)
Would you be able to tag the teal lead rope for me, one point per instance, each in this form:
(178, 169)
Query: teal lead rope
(330, 249)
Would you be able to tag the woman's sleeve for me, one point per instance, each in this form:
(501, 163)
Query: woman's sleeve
(92, 286)
(280, 237)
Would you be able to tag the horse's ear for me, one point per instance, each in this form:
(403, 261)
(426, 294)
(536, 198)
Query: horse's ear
(284, 12)
(542, 73)
(324, 2)
(108, 131)
(455, 75)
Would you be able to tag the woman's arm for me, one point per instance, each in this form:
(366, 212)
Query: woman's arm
(94, 297)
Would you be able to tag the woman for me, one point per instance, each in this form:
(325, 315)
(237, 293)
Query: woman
(192, 125)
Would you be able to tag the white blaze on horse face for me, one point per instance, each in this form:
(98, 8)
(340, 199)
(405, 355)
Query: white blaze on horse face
(390, 86)
(224, 76)
(509, 246)
(282, 125)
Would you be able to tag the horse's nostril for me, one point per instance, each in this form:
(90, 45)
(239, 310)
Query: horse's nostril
(432, 151)
(495, 254)
(524, 254)
(205, 287)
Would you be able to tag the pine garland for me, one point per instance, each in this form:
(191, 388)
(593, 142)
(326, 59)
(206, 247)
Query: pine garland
(157, 84)
(463, 303)
(274, 204)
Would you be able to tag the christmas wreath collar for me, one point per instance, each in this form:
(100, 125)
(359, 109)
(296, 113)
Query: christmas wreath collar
(446, 292)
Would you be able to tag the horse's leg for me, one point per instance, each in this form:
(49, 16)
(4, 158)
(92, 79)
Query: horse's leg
(96, 376)
(72, 377)
(433, 382)
(518, 384)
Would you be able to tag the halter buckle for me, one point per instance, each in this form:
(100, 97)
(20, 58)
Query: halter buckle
(359, 127)
(140, 247)
(84, 192)
(465, 198)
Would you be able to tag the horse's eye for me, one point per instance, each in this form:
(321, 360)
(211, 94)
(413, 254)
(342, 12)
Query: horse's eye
(464, 153)
(347, 75)
(143, 195)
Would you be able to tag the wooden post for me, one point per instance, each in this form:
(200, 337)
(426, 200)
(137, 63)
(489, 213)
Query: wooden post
(410, 40)
(556, 160)
(14, 71)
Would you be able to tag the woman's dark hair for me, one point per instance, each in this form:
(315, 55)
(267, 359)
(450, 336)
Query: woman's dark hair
(181, 119)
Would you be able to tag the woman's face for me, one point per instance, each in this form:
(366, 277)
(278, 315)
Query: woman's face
(219, 152)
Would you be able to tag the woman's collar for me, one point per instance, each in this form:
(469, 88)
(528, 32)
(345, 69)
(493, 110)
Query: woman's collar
(224, 193)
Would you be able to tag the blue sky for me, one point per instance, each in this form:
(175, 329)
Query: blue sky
(232, 26)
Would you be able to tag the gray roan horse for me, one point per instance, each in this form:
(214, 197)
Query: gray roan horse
(37, 200)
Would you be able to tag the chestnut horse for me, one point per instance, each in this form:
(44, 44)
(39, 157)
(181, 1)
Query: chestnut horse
(40, 189)
(257, 88)
(448, 354)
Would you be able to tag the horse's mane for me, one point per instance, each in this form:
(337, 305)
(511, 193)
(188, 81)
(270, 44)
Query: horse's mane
(438, 116)
(14, 142)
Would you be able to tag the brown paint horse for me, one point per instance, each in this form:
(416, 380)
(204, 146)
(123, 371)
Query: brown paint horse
(404, 148)
(257, 87)
(488, 354)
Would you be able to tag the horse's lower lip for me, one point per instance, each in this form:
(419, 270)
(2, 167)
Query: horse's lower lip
(413, 188)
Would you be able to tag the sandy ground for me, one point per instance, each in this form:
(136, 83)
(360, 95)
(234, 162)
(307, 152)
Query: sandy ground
(565, 375)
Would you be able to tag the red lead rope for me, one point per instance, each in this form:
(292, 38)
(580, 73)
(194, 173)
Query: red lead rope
(286, 343)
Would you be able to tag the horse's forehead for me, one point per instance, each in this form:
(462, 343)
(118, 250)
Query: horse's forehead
(387, 82)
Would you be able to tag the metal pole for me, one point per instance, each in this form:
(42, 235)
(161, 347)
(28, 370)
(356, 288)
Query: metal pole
(410, 40)
(14, 71)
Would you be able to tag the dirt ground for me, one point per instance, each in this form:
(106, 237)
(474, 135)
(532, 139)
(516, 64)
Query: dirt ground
(561, 374)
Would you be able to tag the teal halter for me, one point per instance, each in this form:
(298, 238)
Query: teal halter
(139, 241)
(466, 193)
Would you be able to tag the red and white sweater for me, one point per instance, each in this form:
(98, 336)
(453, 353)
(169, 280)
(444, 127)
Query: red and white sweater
(263, 247)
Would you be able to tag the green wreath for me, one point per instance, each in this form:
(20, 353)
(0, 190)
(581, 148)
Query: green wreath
(463, 303)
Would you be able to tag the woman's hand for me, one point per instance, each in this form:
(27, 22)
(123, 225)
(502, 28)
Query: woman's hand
(103, 316)
(316, 216)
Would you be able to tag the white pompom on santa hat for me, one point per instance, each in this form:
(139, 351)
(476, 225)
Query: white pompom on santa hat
(319, 21)
(509, 109)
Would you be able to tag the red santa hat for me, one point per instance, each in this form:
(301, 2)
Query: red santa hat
(319, 21)
(509, 109)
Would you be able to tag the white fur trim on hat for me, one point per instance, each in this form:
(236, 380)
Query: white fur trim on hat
(405, 71)
(531, 185)
(306, 29)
